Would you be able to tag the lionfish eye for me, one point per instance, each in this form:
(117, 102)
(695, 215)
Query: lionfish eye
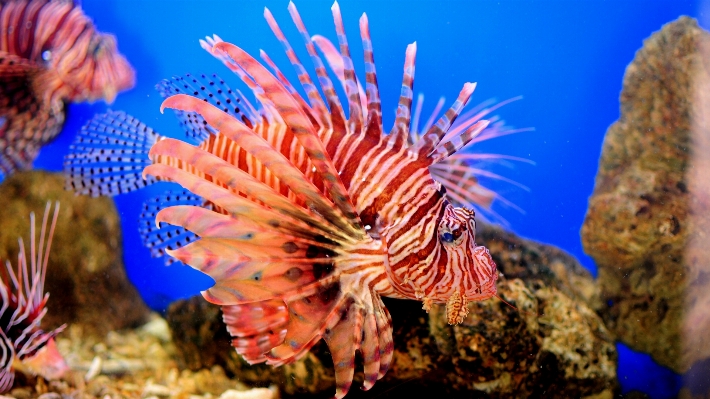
(447, 237)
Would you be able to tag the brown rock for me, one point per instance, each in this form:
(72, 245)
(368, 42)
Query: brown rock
(550, 345)
(528, 260)
(85, 276)
(650, 201)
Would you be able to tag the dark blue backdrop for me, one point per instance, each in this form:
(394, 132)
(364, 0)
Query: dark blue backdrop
(566, 58)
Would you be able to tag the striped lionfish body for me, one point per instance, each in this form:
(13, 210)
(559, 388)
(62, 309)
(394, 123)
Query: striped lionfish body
(22, 309)
(304, 217)
(50, 53)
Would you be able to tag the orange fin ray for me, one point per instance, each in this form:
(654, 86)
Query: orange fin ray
(276, 162)
(256, 327)
(336, 63)
(240, 181)
(236, 205)
(343, 340)
(294, 116)
(351, 86)
(243, 275)
(309, 318)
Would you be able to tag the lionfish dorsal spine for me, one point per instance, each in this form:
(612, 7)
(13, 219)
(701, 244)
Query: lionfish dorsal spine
(336, 109)
(400, 131)
(433, 136)
(300, 125)
(314, 97)
(350, 81)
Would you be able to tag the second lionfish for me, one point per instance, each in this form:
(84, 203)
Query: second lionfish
(50, 54)
(306, 217)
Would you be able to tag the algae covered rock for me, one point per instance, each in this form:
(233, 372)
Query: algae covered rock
(545, 342)
(85, 276)
(647, 223)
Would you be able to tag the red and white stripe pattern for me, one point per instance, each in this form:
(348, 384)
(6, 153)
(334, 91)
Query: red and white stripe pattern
(50, 53)
(318, 215)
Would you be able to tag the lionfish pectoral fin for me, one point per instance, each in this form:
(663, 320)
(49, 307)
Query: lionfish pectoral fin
(365, 326)
(242, 275)
(278, 164)
(310, 317)
(298, 120)
(108, 155)
(343, 340)
(256, 327)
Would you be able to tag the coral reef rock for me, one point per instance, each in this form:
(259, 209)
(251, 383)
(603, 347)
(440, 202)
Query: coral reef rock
(548, 343)
(647, 224)
(132, 363)
(86, 281)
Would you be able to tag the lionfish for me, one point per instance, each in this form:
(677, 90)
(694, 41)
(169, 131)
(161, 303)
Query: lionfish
(22, 342)
(304, 217)
(50, 53)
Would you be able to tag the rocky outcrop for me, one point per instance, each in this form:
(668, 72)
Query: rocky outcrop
(545, 342)
(647, 224)
(85, 276)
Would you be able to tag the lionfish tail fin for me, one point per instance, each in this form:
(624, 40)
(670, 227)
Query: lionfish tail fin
(108, 155)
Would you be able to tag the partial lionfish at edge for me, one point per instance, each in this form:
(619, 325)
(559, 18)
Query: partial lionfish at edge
(22, 342)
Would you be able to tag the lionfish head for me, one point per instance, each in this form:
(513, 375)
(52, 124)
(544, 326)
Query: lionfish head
(477, 270)
(432, 251)
(100, 72)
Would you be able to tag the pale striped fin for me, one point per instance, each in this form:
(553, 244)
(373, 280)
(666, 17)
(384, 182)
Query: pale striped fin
(256, 327)
(351, 86)
(311, 91)
(159, 238)
(434, 135)
(337, 116)
(335, 61)
(315, 118)
(400, 132)
(238, 181)
(343, 340)
(108, 155)
(456, 143)
(374, 106)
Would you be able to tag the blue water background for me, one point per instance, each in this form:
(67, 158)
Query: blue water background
(566, 58)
